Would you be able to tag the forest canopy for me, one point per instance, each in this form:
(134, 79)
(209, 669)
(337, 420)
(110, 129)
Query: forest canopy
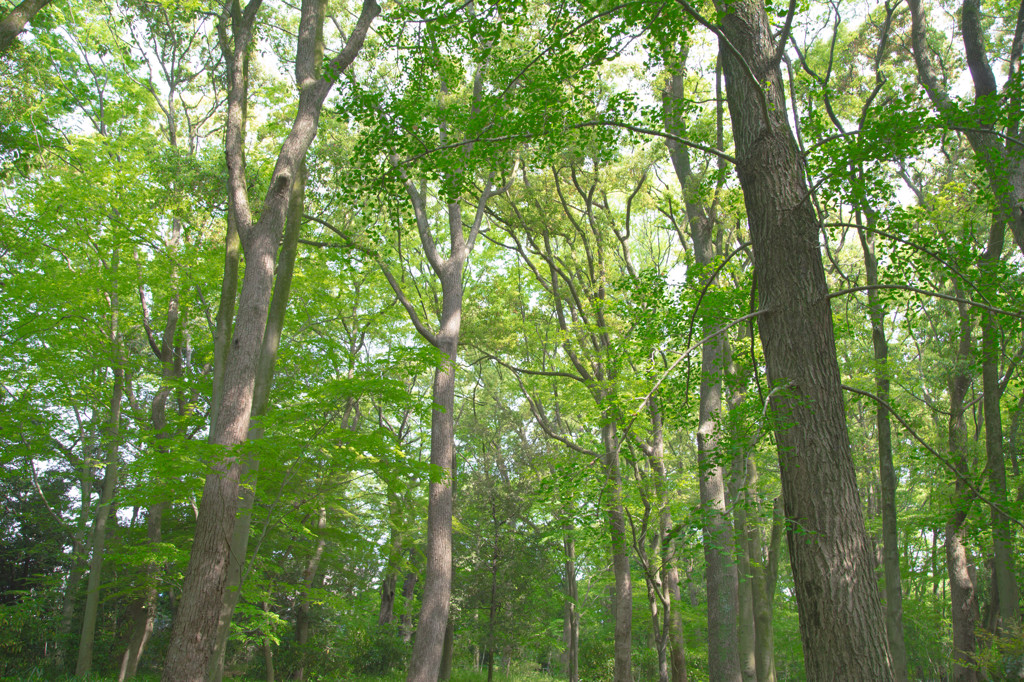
(582, 340)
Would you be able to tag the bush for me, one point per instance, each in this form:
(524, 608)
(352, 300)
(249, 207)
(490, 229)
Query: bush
(378, 651)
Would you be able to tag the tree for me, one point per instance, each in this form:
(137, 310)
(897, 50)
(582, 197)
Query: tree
(196, 620)
(840, 615)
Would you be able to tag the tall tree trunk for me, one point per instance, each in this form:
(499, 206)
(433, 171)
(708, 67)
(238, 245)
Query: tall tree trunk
(571, 617)
(309, 578)
(408, 596)
(720, 567)
(195, 625)
(886, 471)
(841, 622)
(664, 551)
(762, 585)
(79, 550)
(113, 438)
(1002, 534)
(622, 598)
(99, 530)
(746, 626)
(262, 384)
(268, 652)
(143, 612)
(964, 601)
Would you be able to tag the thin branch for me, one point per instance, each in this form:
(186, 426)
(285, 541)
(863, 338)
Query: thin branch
(945, 462)
(925, 292)
(735, 53)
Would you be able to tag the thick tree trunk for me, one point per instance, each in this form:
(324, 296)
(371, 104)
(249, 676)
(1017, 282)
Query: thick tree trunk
(15, 21)
(263, 382)
(841, 622)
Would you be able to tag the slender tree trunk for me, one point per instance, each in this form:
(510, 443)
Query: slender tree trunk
(622, 598)
(79, 550)
(571, 618)
(99, 528)
(841, 622)
(672, 620)
(964, 602)
(268, 652)
(720, 567)
(1002, 534)
(195, 625)
(746, 628)
(886, 471)
(762, 585)
(309, 578)
(433, 621)
(103, 506)
(143, 612)
(408, 595)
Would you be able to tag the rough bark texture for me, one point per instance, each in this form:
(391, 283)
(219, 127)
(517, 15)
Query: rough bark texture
(841, 622)
(195, 623)
(15, 21)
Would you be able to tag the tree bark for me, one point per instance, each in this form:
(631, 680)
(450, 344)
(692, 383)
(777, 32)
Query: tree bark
(195, 624)
(263, 382)
(841, 623)
(15, 21)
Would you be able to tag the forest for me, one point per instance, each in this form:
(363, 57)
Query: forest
(511, 340)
